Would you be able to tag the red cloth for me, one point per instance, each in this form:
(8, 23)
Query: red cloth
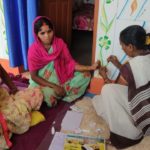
(38, 57)
(5, 130)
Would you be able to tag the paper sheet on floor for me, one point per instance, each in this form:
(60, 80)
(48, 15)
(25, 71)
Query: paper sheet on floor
(71, 121)
(58, 141)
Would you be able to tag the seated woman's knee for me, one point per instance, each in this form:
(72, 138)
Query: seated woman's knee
(107, 88)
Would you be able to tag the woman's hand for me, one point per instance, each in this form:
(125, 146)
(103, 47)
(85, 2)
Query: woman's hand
(83, 68)
(96, 65)
(113, 59)
(103, 72)
(60, 91)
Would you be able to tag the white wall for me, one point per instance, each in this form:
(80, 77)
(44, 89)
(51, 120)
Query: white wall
(3, 41)
(123, 13)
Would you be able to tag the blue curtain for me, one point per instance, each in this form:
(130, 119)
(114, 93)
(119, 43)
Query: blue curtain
(19, 15)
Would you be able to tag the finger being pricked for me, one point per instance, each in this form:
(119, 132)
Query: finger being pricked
(98, 63)
(102, 70)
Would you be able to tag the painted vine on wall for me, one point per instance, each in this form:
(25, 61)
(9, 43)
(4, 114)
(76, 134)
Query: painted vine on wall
(114, 16)
(104, 41)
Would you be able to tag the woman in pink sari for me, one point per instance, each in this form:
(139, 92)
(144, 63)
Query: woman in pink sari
(52, 67)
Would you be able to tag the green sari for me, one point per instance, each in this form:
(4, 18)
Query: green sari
(74, 87)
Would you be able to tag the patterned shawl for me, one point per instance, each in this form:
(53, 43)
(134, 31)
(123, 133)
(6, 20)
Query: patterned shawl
(137, 75)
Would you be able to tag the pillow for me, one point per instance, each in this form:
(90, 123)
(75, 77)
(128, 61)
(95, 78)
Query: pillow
(36, 117)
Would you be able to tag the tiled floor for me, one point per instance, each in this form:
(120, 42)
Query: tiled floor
(90, 117)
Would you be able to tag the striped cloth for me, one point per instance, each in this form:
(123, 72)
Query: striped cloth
(137, 74)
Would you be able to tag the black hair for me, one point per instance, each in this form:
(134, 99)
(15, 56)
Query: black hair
(38, 24)
(135, 35)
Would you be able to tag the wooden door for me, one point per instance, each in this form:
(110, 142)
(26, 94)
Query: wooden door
(60, 12)
(96, 11)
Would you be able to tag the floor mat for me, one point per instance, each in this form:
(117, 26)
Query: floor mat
(32, 139)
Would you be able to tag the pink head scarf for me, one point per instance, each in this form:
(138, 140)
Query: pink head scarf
(38, 57)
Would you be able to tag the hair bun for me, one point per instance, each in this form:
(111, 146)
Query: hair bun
(147, 40)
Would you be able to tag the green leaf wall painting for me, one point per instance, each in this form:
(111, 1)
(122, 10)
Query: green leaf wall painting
(104, 41)
(114, 16)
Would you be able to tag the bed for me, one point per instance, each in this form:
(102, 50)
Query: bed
(83, 17)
